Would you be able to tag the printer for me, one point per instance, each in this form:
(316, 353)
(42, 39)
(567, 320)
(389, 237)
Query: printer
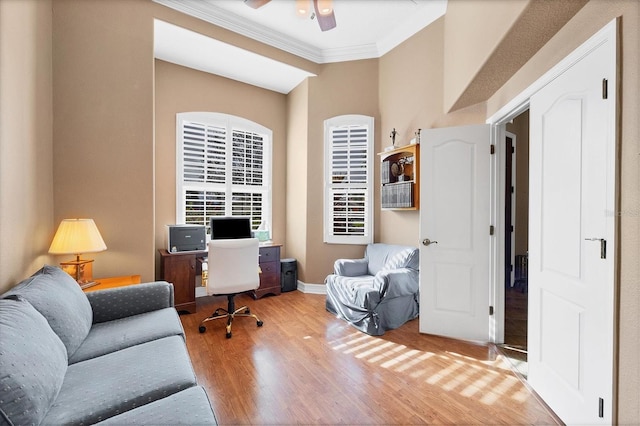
(181, 238)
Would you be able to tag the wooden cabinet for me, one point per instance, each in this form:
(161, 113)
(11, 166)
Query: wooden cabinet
(181, 270)
(400, 178)
(270, 272)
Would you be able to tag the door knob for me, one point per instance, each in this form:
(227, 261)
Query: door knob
(427, 242)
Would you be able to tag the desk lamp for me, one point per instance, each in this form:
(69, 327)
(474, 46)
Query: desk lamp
(77, 236)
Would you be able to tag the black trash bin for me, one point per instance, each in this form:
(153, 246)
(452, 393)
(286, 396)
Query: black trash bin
(288, 274)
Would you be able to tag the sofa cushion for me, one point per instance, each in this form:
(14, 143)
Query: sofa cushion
(111, 336)
(188, 407)
(33, 362)
(103, 387)
(57, 296)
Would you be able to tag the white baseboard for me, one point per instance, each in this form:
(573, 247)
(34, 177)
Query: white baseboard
(201, 291)
(312, 288)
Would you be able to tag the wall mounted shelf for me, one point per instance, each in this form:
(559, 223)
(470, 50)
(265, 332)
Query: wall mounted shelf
(400, 178)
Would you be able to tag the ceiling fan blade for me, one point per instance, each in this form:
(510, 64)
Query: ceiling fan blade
(256, 3)
(326, 22)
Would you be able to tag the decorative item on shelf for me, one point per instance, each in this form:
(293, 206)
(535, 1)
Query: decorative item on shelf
(416, 140)
(78, 236)
(393, 137)
(386, 175)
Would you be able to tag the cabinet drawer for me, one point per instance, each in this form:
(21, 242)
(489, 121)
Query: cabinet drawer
(269, 269)
(269, 254)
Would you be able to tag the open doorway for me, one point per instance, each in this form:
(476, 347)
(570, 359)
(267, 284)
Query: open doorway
(516, 236)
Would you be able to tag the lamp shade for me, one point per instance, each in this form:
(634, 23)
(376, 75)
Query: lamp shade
(76, 236)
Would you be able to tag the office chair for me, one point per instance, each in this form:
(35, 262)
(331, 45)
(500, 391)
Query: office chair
(233, 269)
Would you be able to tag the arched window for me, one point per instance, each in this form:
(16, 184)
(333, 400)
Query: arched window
(223, 168)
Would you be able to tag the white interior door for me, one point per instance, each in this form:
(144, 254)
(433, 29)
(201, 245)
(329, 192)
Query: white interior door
(454, 266)
(571, 245)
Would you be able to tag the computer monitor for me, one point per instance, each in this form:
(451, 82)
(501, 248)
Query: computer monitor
(227, 227)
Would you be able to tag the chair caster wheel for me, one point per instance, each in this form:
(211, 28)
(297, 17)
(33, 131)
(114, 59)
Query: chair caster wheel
(229, 335)
(259, 323)
(202, 329)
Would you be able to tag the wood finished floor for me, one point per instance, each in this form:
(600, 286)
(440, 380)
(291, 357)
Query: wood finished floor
(304, 366)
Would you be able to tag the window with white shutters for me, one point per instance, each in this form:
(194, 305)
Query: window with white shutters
(223, 168)
(348, 196)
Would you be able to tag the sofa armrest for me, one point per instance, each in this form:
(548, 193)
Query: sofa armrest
(397, 282)
(351, 267)
(121, 302)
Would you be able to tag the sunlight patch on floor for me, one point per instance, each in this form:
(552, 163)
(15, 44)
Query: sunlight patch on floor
(482, 380)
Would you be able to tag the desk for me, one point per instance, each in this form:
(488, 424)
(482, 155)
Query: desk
(181, 270)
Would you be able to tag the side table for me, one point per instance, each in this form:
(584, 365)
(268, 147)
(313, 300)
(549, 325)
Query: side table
(113, 282)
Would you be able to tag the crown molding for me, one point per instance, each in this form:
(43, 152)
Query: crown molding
(217, 16)
(209, 12)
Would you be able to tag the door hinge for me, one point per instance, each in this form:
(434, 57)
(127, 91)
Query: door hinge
(491, 229)
(490, 310)
(601, 408)
(605, 88)
(493, 149)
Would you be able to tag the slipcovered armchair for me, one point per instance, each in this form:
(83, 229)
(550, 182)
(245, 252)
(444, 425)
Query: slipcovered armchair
(377, 293)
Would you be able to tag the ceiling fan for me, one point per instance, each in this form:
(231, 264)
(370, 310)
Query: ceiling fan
(323, 11)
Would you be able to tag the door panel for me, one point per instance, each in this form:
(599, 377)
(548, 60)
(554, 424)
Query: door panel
(572, 187)
(454, 272)
(561, 147)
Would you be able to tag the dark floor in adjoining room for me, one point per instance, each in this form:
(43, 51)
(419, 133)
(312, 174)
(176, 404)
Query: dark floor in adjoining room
(515, 327)
(304, 366)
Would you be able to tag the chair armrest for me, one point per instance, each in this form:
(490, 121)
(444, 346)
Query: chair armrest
(351, 267)
(121, 302)
(397, 282)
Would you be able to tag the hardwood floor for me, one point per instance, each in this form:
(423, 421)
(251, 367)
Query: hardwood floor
(304, 366)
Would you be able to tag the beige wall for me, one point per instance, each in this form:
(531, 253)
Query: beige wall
(340, 88)
(179, 89)
(297, 180)
(103, 127)
(26, 119)
(411, 93)
(485, 45)
(470, 39)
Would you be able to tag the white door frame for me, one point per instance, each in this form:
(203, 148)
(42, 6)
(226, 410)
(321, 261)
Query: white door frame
(498, 120)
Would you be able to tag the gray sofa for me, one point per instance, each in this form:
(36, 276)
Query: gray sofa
(378, 292)
(114, 356)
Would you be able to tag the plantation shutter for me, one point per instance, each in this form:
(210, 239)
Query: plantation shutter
(204, 153)
(223, 169)
(348, 180)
